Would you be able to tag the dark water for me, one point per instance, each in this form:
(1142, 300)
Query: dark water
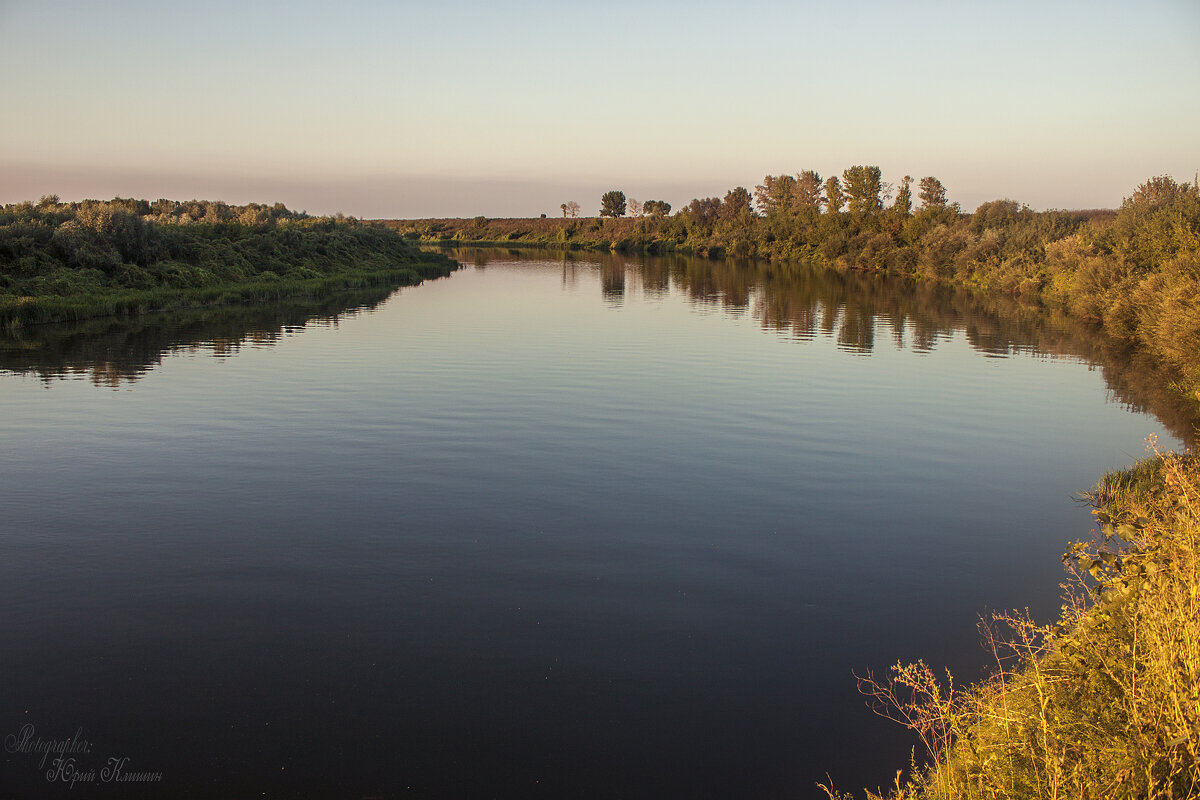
(549, 527)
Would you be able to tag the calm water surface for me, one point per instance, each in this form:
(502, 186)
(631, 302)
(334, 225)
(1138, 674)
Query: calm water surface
(549, 527)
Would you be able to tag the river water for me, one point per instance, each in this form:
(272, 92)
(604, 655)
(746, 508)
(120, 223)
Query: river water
(554, 526)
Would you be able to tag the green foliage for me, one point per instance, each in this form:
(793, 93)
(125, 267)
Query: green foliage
(612, 204)
(776, 194)
(933, 193)
(736, 204)
(809, 190)
(60, 260)
(900, 210)
(863, 186)
(835, 197)
(903, 202)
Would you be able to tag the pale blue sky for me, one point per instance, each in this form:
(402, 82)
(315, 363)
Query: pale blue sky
(509, 109)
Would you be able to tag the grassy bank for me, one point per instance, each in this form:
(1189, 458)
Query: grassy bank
(1105, 703)
(70, 261)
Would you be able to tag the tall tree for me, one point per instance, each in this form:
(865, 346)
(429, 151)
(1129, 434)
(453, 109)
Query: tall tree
(564, 210)
(903, 203)
(572, 208)
(900, 210)
(932, 193)
(1159, 189)
(635, 207)
(808, 189)
(863, 187)
(656, 208)
(775, 193)
(736, 203)
(834, 197)
(703, 211)
(612, 204)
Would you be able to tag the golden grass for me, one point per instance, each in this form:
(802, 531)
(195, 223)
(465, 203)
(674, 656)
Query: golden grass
(1103, 704)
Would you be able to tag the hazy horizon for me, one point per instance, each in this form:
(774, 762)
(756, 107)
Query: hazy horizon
(383, 110)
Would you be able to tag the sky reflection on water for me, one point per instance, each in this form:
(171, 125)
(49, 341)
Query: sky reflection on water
(545, 527)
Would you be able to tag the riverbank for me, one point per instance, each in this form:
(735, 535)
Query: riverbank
(70, 261)
(22, 311)
(1105, 702)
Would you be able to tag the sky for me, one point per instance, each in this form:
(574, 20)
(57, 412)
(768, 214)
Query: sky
(509, 109)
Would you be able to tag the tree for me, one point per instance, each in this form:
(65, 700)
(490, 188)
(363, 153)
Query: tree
(863, 187)
(163, 206)
(736, 203)
(775, 193)
(656, 208)
(808, 189)
(572, 209)
(932, 193)
(1157, 190)
(564, 210)
(834, 198)
(999, 214)
(635, 207)
(900, 210)
(903, 203)
(612, 204)
(703, 211)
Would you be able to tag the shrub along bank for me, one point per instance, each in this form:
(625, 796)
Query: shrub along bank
(65, 261)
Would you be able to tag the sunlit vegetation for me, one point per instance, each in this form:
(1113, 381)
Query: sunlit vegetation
(1105, 703)
(62, 261)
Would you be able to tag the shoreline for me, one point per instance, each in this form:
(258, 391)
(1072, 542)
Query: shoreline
(73, 261)
(49, 310)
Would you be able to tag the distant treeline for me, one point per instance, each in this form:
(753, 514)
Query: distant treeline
(74, 260)
(1136, 270)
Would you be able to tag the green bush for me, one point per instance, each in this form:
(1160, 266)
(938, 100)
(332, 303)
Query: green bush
(65, 261)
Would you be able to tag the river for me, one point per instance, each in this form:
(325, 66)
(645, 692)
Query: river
(555, 526)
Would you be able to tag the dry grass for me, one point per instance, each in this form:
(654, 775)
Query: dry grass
(1103, 704)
